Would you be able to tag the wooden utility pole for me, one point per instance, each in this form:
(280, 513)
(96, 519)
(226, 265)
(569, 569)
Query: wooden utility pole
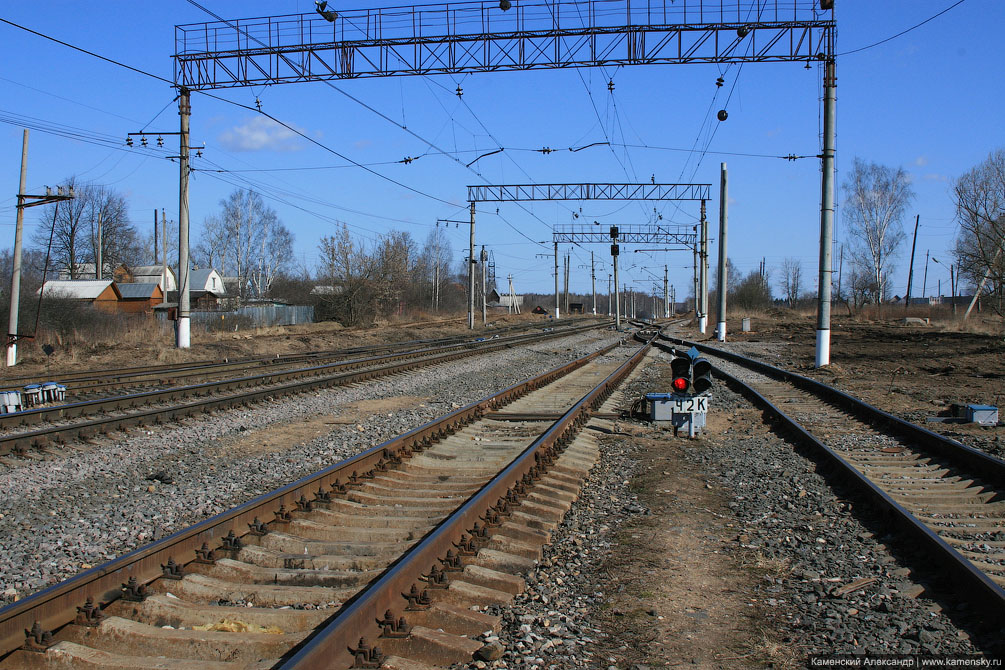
(924, 284)
(910, 268)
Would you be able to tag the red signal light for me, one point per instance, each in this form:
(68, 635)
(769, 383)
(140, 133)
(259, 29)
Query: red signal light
(679, 384)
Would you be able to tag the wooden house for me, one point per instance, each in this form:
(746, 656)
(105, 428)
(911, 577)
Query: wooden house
(102, 293)
(139, 298)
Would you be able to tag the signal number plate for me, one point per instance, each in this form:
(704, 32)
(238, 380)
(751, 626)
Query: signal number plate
(698, 404)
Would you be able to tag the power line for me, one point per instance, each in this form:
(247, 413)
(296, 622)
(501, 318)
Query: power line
(903, 32)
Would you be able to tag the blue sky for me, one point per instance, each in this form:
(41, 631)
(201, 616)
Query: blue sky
(929, 101)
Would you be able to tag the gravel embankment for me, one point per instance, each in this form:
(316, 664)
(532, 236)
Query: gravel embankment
(62, 515)
(785, 514)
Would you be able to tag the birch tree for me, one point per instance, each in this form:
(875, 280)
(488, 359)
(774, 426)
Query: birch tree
(979, 196)
(792, 277)
(875, 200)
(246, 240)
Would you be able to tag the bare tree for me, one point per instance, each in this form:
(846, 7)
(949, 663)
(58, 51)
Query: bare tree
(119, 242)
(246, 240)
(349, 272)
(980, 209)
(876, 198)
(211, 251)
(792, 276)
(74, 231)
(752, 292)
(65, 223)
(274, 255)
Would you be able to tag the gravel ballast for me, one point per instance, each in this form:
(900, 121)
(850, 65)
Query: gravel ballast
(62, 515)
(782, 514)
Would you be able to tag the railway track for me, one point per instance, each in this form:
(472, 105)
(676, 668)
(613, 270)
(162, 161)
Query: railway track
(95, 384)
(72, 420)
(945, 496)
(385, 558)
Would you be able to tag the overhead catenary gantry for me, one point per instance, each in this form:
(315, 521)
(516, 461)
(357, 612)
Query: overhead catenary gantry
(641, 234)
(469, 37)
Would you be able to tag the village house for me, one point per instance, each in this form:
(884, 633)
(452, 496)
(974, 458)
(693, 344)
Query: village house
(102, 293)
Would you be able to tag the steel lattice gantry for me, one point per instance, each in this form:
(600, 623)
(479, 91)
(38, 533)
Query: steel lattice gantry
(479, 37)
(575, 233)
(526, 192)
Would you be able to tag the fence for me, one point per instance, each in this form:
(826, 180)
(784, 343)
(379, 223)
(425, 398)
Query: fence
(252, 316)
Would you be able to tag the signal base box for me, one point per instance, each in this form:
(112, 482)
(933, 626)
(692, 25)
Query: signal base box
(686, 412)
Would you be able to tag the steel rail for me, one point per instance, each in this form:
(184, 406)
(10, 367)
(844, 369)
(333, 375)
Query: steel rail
(57, 606)
(329, 647)
(979, 586)
(137, 373)
(316, 375)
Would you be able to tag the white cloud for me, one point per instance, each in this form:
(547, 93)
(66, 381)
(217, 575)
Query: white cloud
(933, 176)
(260, 133)
(921, 161)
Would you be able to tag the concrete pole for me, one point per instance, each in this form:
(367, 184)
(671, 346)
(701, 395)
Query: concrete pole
(823, 352)
(609, 294)
(703, 273)
(666, 292)
(484, 259)
(593, 282)
(565, 284)
(184, 331)
(723, 284)
(15, 277)
(164, 255)
(697, 293)
(471, 270)
(97, 252)
(617, 293)
(557, 308)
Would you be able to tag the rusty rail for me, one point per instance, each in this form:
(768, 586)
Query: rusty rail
(57, 605)
(272, 384)
(329, 647)
(981, 589)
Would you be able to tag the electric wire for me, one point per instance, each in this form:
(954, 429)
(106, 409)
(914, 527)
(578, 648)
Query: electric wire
(902, 32)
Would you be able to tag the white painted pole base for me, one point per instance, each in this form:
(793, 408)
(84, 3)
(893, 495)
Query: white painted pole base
(720, 331)
(558, 313)
(823, 348)
(702, 324)
(183, 332)
(11, 355)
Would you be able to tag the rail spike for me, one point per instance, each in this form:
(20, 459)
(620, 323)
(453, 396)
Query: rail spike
(366, 657)
(170, 571)
(417, 600)
(436, 579)
(133, 591)
(231, 542)
(258, 528)
(283, 515)
(393, 628)
(37, 639)
(90, 614)
(205, 555)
